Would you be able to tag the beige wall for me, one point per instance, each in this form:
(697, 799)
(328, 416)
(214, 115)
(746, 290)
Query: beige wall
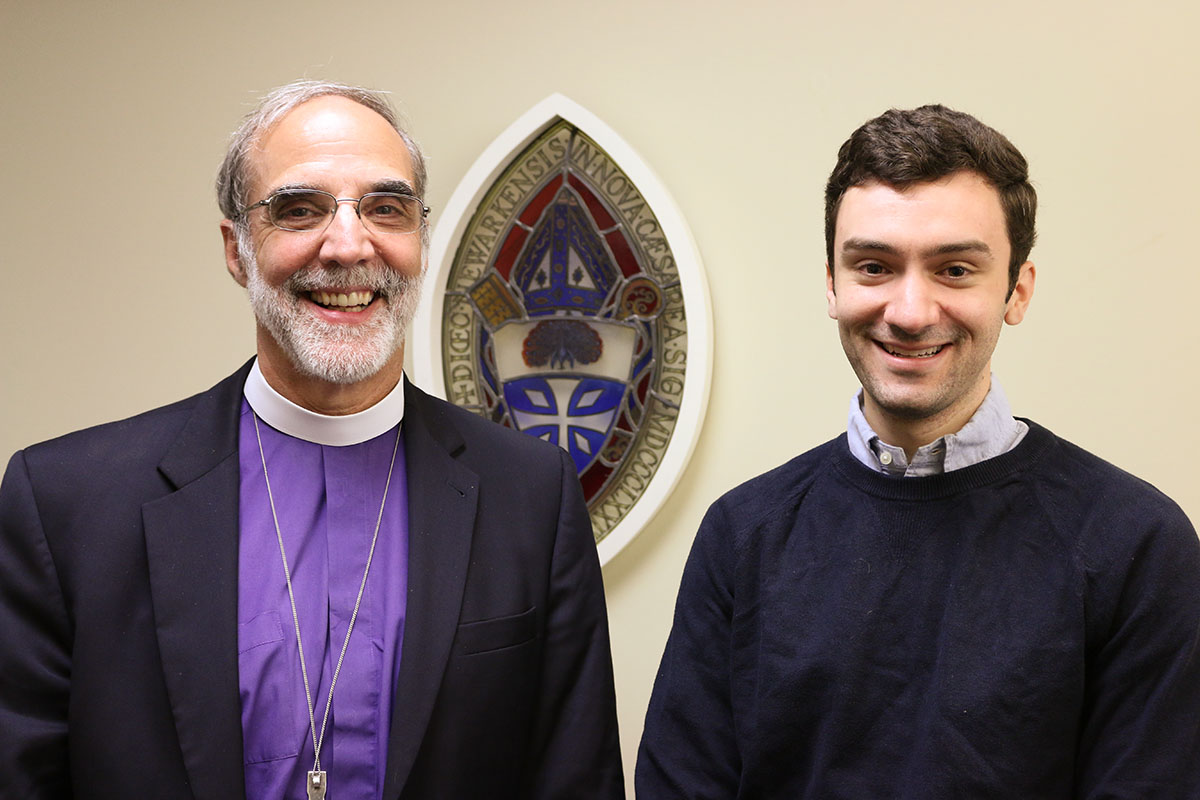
(115, 116)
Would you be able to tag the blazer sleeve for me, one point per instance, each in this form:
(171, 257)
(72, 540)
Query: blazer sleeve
(575, 749)
(35, 649)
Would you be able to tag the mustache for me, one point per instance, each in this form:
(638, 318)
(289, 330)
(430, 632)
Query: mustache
(901, 336)
(380, 280)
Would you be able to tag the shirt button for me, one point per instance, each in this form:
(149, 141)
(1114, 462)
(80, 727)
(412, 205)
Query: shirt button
(885, 458)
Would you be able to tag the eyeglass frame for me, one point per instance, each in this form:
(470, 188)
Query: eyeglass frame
(266, 201)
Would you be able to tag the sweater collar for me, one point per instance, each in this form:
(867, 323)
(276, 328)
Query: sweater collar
(1036, 443)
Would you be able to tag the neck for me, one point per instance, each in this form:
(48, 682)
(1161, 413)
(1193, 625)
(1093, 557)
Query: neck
(324, 397)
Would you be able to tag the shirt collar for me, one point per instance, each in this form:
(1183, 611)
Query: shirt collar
(285, 416)
(989, 432)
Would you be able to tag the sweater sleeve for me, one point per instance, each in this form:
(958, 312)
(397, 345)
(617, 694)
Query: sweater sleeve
(689, 747)
(1140, 730)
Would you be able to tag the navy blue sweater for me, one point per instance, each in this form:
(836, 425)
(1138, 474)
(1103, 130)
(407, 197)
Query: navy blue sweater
(1026, 627)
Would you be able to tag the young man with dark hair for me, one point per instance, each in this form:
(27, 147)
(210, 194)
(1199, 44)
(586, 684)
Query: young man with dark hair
(945, 601)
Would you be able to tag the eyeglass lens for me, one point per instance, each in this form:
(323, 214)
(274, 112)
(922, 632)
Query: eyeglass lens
(386, 212)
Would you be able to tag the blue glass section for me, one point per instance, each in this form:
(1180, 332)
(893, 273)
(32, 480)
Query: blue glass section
(610, 393)
(581, 428)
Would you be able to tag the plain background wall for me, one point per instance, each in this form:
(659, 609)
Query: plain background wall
(115, 117)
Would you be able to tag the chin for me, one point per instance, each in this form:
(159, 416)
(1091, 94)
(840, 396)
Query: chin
(343, 373)
(910, 406)
(346, 361)
(910, 412)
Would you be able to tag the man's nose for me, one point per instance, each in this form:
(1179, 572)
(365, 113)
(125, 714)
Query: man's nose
(914, 306)
(346, 241)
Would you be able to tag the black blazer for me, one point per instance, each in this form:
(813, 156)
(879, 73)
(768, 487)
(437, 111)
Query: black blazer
(118, 614)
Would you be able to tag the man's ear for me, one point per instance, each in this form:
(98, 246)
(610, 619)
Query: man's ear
(233, 261)
(1022, 293)
(830, 296)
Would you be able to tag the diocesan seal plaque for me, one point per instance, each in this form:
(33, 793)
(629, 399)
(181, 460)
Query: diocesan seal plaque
(561, 310)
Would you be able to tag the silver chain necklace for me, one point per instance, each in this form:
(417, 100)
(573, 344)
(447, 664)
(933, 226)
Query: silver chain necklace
(316, 785)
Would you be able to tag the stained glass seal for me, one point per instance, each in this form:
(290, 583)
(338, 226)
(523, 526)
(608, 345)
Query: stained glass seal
(566, 298)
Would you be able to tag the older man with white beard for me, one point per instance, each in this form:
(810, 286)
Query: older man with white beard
(313, 574)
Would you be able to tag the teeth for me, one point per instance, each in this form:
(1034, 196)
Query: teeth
(932, 351)
(354, 301)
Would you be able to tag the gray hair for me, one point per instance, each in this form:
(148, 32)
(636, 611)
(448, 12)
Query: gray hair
(233, 179)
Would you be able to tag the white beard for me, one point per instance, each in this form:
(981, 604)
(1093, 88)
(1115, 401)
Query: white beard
(342, 354)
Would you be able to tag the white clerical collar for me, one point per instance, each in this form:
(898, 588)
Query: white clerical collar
(285, 416)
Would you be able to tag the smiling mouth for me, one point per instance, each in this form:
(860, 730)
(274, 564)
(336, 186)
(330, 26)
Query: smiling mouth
(342, 301)
(928, 352)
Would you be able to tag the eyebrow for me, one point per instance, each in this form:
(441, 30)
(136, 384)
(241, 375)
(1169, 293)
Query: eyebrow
(291, 187)
(853, 245)
(393, 185)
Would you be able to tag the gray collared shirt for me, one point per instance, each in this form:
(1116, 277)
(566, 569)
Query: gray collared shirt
(990, 432)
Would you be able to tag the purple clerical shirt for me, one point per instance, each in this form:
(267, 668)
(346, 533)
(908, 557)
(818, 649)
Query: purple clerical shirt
(327, 499)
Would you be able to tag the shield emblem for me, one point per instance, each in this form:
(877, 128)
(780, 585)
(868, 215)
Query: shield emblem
(564, 380)
(574, 413)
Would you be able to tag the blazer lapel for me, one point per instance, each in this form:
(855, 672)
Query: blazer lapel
(192, 547)
(442, 496)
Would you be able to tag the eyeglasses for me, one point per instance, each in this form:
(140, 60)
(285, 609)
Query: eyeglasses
(313, 210)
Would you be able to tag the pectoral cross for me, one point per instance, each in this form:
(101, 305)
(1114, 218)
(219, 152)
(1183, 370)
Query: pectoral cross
(316, 785)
